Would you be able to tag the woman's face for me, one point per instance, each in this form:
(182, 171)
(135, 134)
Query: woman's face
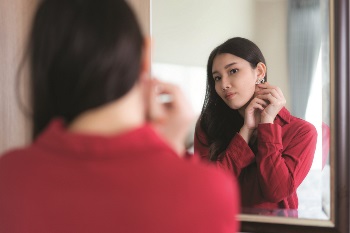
(234, 79)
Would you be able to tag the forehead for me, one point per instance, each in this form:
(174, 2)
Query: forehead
(221, 60)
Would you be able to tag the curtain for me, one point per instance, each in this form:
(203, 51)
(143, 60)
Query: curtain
(303, 43)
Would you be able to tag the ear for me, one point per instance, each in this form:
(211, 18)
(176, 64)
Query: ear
(145, 69)
(261, 70)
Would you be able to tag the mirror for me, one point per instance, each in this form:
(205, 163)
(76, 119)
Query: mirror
(296, 39)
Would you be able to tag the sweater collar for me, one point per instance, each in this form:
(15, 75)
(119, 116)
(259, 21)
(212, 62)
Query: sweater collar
(58, 139)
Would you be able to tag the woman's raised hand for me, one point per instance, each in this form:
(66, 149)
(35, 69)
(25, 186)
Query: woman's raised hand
(276, 101)
(170, 113)
(252, 116)
(263, 108)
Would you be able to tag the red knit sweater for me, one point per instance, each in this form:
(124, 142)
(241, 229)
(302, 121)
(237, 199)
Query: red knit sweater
(269, 177)
(131, 182)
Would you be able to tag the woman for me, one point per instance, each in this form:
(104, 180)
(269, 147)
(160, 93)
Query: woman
(245, 128)
(106, 155)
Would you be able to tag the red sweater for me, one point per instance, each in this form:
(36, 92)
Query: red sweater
(131, 182)
(269, 178)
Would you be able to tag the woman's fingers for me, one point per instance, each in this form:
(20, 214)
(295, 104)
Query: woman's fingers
(275, 98)
(258, 103)
(271, 93)
(170, 113)
(155, 111)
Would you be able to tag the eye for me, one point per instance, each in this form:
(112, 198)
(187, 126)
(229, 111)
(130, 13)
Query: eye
(217, 78)
(233, 71)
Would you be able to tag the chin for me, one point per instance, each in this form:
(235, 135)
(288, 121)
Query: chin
(238, 103)
(234, 106)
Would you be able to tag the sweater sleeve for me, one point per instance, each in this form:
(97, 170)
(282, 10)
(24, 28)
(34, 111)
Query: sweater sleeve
(234, 159)
(275, 172)
(281, 170)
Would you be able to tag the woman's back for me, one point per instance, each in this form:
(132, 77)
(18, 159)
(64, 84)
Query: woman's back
(68, 182)
(107, 153)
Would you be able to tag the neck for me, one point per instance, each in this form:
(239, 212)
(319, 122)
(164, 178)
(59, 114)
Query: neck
(242, 109)
(116, 117)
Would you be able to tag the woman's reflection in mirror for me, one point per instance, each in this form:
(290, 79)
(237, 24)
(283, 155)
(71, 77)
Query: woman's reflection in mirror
(245, 128)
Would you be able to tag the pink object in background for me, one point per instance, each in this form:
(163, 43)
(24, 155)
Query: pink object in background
(325, 143)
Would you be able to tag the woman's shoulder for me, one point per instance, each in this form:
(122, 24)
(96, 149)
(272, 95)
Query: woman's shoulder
(293, 122)
(15, 156)
(301, 129)
(301, 124)
(14, 165)
(201, 174)
(210, 180)
(203, 184)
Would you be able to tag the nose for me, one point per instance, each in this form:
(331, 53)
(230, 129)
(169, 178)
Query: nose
(225, 83)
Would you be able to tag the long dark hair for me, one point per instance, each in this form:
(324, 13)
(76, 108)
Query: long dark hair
(83, 54)
(218, 121)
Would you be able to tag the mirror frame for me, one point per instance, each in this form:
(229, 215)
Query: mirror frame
(340, 138)
(340, 134)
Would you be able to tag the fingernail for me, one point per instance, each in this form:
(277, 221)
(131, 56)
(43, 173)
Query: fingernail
(165, 98)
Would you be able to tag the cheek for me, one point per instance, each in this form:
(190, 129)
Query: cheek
(250, 84)
(249, 90)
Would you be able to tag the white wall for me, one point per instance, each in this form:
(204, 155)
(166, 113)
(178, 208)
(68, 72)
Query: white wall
(270, 34)
(185, 32)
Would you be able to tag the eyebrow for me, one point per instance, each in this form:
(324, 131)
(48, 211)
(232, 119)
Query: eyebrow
(228, 65)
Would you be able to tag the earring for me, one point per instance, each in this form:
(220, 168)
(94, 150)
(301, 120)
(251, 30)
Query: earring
(260, 81)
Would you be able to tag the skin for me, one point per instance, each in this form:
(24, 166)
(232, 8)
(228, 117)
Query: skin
(235, 83)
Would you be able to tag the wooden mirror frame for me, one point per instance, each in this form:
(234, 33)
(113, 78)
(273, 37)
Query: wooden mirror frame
(340, 137)
(340, 132)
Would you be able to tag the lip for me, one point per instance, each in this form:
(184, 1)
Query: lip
(230, 95)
